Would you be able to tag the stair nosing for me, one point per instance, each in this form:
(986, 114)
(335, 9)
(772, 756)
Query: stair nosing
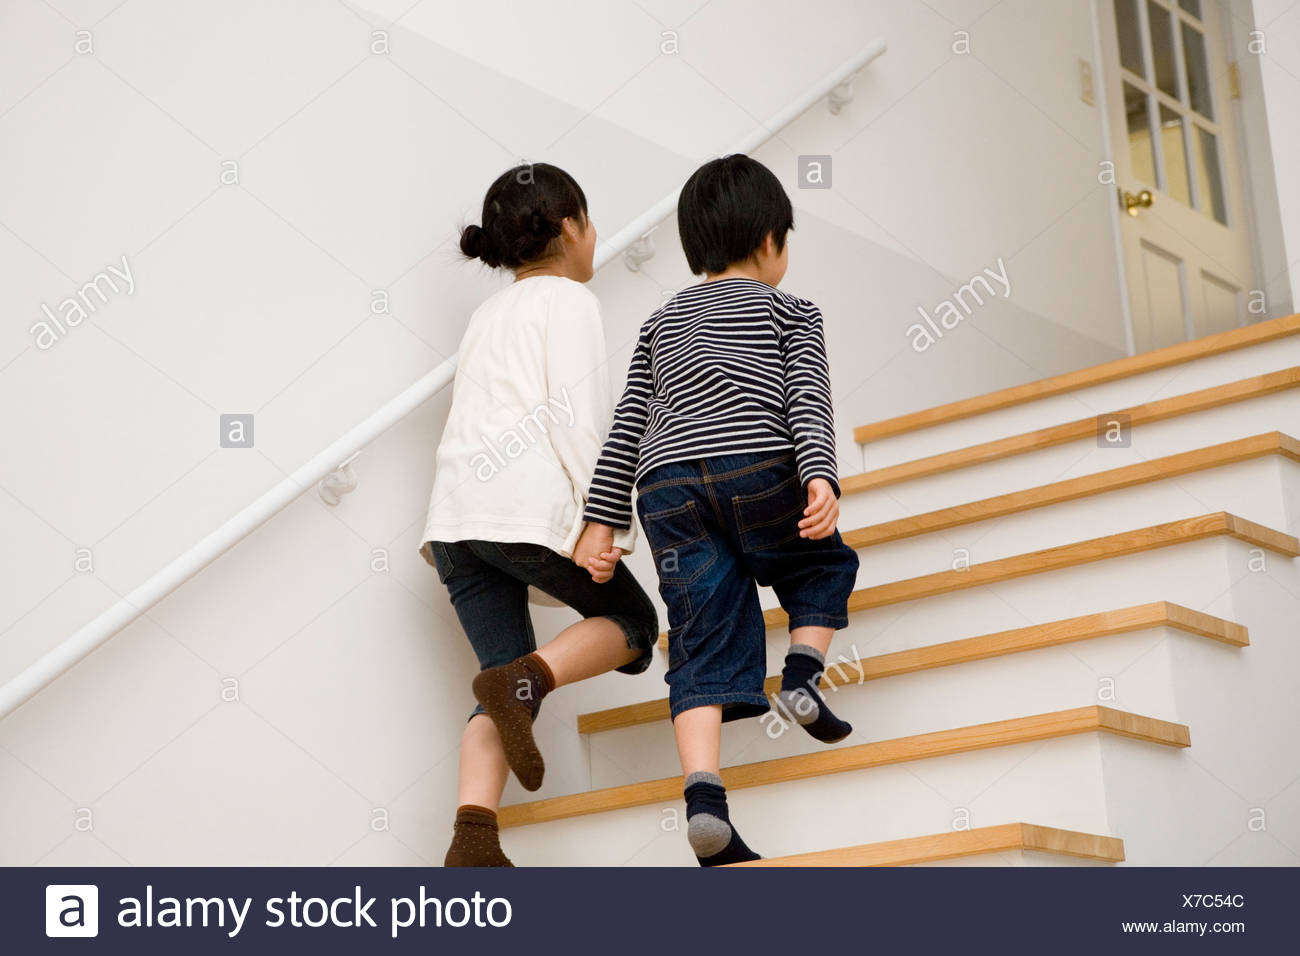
(954, 844)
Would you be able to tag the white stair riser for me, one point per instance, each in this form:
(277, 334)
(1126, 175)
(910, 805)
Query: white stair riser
(1277, 412)
(1254, 490)
(1081, 403)
(1196, 574)
(1054, 782)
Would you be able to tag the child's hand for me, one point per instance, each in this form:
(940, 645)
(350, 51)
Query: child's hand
(823, 511)
(595, 551)
(602, 565)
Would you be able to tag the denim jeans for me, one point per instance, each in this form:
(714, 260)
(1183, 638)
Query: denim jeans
(488, 581)
(718, 527)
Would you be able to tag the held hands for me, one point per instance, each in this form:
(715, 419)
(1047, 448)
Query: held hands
(595, 551)
(823, 511)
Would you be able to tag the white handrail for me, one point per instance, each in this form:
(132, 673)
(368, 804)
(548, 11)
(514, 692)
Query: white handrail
(68, 652)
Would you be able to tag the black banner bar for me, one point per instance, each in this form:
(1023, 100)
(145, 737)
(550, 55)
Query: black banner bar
(786, 911)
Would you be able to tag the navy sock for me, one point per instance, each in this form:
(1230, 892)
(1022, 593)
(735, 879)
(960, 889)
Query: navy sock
(708, 824)
(799, 695)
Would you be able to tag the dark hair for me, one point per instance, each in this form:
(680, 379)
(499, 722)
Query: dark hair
(523, 211)
(726, 210)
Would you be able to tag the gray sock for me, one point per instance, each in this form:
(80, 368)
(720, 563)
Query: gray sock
(707, 833)
(798, 703)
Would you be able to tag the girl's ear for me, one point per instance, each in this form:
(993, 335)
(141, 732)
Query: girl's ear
(571, 229)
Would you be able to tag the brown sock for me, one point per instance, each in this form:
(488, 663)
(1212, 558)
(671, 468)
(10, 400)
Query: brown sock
(475, 840)
(511, 694)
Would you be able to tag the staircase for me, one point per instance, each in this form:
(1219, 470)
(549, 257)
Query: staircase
(1075, 639)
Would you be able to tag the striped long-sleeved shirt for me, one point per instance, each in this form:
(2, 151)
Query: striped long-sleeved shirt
(726, 367)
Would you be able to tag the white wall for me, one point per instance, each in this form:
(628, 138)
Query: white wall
(354, 169)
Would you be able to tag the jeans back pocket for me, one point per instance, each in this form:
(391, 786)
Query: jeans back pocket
(769, 518)
(682, 549)
(522, 552)
(442, 562)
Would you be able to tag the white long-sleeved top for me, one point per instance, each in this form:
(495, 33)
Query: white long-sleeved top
(530, 409)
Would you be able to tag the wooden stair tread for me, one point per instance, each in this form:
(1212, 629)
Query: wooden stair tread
(1124, 543)
(1215, 397)
(1115, 479)
(1051, 634)
(859, 757)
(958, 843)
(1254, 334)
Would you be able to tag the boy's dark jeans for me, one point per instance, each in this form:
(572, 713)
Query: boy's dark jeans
(717, 528)
(488, 581)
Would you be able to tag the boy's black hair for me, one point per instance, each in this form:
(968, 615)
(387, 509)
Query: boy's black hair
(523, 211)
(726, 210)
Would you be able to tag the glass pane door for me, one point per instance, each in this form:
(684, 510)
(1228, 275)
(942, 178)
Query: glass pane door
(1167, 87)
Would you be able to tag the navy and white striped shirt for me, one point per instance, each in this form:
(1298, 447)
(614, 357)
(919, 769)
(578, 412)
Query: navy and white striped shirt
(726, 367)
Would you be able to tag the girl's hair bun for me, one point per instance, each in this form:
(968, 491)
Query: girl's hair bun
(477, 244)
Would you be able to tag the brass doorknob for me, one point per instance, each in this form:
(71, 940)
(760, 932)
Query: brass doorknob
(1134, 204)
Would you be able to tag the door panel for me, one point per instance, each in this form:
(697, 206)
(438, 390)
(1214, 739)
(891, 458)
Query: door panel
(1220, 304)
(1163, 284)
